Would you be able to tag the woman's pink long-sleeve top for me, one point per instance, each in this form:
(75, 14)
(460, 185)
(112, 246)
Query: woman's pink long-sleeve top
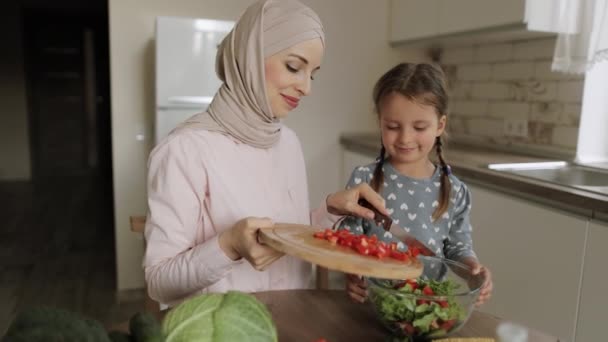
(201, 183)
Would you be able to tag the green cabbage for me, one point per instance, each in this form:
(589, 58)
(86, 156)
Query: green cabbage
(218, 317)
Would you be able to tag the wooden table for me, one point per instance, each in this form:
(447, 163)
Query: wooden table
(306, 315)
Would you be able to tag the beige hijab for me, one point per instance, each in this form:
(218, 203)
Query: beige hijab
(240, 107)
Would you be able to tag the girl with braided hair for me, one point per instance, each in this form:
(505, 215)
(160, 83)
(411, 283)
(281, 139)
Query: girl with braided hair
(422, 197)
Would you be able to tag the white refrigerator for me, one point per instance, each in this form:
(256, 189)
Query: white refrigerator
(185, 68)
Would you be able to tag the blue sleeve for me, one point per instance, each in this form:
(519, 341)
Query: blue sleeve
(459, 244)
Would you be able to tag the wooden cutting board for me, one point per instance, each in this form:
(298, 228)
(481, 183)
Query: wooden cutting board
(298, 241)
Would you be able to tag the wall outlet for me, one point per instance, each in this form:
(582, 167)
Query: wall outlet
(515, 128)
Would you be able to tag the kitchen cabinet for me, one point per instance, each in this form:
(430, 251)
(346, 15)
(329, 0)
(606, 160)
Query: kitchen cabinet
(467, 15)
(443, 20)
(413, 19)
(536, 256)
(594, 300)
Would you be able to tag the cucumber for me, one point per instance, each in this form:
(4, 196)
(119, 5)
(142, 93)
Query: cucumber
(145, 328)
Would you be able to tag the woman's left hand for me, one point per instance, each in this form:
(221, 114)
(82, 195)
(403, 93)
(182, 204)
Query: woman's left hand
(486, 288)
(346, 202)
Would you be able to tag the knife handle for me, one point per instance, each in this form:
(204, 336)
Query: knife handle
(379, 218)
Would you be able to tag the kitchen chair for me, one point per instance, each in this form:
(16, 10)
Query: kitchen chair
(138, 224)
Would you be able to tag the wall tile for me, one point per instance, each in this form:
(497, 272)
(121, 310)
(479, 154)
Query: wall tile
(513, 71)
(570, 91)
(540, 132)
(565, 136)
(460, 90)
(491, 91)
(484, 127)
(470, 108)
(493, 82)
(474, 72)
(458, 56)
(456, 125)
(493, 53)
(546, 112)
(519, 110)
(572, 114)
(534, 49)
(543, 72)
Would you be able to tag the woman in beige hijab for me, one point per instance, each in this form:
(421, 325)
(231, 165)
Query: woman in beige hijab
(225, 173)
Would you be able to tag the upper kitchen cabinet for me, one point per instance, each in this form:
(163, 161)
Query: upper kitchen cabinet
(414, 19)
(468, 15)
(459, 22)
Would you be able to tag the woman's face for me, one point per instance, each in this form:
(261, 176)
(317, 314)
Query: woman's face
(289, 74)
(409, 129)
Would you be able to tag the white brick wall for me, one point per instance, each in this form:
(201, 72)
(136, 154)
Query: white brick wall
(543, 72)
(513, 71)
(547, 112)
(485, 127)
(534, 49)
(494, 53)
(565, 136)
(491, 91)
(570, 91)
(493, 83)
(458, 56)
(542, 91)
(474, 72)
(469, 108)
(501, 110)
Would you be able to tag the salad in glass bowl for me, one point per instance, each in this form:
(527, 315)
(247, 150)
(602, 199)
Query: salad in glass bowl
(434, 305)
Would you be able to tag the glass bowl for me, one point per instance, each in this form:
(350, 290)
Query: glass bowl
(434, 305)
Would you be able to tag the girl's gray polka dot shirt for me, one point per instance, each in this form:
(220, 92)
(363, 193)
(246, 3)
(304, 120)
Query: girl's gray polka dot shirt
(411, 203)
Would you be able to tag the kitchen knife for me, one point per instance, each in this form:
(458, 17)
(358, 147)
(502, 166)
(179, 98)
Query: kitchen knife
(387, 223)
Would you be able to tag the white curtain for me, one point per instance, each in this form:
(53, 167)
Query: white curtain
(583, 38)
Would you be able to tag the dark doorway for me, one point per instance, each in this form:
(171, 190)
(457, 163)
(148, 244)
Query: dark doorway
(68, 92)
(57, 232)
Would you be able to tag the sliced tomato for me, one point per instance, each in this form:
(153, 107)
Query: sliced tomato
(447, 325)
(427, 291)
(408, 328)
(443, 303)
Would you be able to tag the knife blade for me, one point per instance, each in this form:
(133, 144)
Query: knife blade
(387, 223)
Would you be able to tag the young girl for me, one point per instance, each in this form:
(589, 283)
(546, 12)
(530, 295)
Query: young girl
(422, 197)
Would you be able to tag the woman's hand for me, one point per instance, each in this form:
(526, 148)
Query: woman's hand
(486, 288)
(345, 202)
(241, 241)
(356, 287)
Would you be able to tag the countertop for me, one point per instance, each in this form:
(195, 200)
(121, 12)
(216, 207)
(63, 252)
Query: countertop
(470, 164)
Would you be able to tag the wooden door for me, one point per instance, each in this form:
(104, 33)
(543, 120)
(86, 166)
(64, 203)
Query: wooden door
(65, 92)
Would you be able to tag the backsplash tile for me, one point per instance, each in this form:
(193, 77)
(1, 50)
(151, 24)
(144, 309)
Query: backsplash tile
(495, 82)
